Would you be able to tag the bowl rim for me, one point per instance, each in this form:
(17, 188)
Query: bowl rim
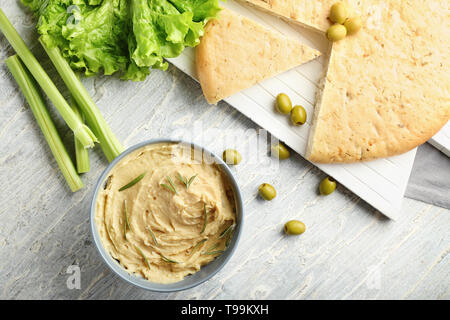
(133, 279)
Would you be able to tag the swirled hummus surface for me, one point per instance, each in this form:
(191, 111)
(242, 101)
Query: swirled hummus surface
(156, 227)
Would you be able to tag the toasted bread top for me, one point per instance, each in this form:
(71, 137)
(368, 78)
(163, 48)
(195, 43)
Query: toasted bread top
(235, 53)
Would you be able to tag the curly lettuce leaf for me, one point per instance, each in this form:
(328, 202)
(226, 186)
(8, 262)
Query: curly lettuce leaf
(97, 41)
(126, 36)
(202, 10)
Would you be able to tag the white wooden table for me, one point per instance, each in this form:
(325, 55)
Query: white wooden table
(348, 251)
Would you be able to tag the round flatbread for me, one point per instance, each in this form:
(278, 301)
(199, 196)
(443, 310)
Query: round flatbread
(386, 90)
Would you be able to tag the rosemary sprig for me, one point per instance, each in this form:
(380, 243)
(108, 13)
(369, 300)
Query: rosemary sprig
(191, 179)
(172, 184)
(171, 187)
(153, 235)
(205, 218)
(198, 245)
(214, 252)
(127, 223)
(133, 182)
(226, 231)
(125, 208)
(168, 187)
(185, 180)
(213, 247)
(227, 242)
(167, 259)
(143, 256)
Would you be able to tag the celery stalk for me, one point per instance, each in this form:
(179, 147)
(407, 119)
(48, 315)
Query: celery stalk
(108, 142)
(81, 153)
(81, 131)
(32, 95)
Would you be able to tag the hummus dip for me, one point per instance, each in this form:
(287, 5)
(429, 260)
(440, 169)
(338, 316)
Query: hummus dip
(156, 227)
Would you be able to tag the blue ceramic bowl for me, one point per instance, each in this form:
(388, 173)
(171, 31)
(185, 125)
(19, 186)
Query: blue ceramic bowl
(207, 271)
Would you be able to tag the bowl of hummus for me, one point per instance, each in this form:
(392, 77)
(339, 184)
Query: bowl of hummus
(166, 215)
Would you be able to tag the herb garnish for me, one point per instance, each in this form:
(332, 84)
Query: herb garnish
(187, 182)
(211, 251)
(133, 182)
(205, 218)
(213, 247)
(214, 252)
(143, 256)
(198, 245)
(227, 242)
(171, 187)
(153, 235)
(127, 223)
(167, 259)
(226, 231)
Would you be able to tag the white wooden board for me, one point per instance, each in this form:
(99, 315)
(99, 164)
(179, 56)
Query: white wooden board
(442, 140)
(381, 183)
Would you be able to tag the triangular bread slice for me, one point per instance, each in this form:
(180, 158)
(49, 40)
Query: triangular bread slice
(235, 53)
(387, 88)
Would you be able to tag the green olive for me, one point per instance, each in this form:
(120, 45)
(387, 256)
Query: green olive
(298, 115)
(336, 32)
(353, 25)
(280, 151)
(231, 156)
(267, 191)
(294, 227)
(327, 186)
(283, 103)
(338, 13)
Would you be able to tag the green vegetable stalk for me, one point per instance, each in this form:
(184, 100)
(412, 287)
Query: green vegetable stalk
(108, 142)
(81, 153)
(32, 95)
(81, 131)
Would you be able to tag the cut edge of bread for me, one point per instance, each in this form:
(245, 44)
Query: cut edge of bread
(317, 106)
(273, 12)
